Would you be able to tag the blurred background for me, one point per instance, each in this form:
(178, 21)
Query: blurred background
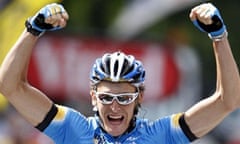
(179, 61)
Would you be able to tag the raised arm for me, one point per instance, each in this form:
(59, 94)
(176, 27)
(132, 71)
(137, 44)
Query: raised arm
(208, 113)
(31, 103)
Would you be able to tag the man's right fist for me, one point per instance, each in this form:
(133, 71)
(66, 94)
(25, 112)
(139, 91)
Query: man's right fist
(49, 18)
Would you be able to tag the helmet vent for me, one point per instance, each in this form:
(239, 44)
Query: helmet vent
(105, 65)
(116, 65)
(125, 68)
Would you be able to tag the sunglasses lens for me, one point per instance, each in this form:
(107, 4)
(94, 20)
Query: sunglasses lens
(105, 98)
(125, 99)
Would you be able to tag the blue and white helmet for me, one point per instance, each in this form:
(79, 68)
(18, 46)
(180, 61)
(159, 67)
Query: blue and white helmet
(118, 67)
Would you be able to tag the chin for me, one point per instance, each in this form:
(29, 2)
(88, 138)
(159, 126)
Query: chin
(115, 131)
(116, 134)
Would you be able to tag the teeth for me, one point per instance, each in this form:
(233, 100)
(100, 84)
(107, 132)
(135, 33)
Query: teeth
(115, 117)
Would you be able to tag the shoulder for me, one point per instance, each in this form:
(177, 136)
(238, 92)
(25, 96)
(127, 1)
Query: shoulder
(162, 125)
(166, 129)
(71, 114)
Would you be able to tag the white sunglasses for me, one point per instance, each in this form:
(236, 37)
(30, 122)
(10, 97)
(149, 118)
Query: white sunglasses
(122, 98)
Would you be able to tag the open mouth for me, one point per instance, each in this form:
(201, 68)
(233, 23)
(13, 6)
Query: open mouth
(115, 119)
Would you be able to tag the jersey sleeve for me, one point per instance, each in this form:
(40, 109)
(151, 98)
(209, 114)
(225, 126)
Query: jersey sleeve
(69, 126)
(177, 133)
(169, 130)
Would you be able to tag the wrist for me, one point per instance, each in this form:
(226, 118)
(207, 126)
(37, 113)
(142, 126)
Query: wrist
(218, 37)
(32, 30)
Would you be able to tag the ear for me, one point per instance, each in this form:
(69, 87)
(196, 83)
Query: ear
(140, 98)
(94, 99)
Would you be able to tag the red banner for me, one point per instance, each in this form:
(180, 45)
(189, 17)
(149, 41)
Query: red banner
(60, 66)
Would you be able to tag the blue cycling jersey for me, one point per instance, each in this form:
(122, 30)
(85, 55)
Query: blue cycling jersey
(71, 127)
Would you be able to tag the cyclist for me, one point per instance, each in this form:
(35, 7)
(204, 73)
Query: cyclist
(117, 86)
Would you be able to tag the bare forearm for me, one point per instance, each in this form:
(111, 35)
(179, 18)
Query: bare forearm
(228, 75)
(30, 102)
(14, 67)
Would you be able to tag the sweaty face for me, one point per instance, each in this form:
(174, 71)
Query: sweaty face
(115, 117)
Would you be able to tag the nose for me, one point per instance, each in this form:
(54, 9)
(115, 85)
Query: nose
(115, 106)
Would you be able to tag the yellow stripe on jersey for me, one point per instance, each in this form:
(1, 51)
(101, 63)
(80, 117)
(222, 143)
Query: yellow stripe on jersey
(175, 119)
(61, 113)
